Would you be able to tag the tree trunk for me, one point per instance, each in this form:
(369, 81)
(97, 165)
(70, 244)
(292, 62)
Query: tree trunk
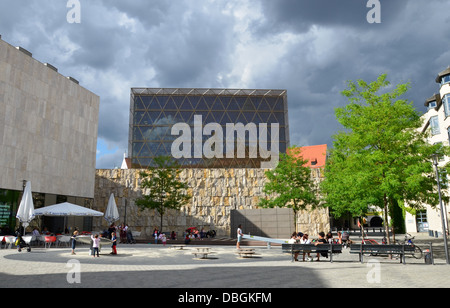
(386, 221)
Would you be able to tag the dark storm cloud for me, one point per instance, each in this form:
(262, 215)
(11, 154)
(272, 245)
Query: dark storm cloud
(300, 15)
(309, 47)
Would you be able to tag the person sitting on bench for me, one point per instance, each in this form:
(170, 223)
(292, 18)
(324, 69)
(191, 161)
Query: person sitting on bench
(321, 241)
(306, 240)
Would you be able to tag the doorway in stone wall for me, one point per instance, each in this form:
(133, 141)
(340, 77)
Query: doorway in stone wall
(273, 223)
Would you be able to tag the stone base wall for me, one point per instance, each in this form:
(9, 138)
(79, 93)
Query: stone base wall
(215, 192)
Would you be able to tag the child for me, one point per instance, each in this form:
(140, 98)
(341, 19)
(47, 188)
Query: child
(95, 245)
(74, 241)
(114, 243)
(163, 239)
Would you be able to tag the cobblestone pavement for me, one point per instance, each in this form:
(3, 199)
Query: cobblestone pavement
(145, 265)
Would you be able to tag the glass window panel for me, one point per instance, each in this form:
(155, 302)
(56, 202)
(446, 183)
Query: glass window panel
(233, 105)
(257, 118)
(233, 116)
(178, 100)
(162, 99)
(137, 135)
(446, 103)
(170, 105)
(240, 100)
(145, 132)
(153, 146)
(434, 125)
(186, 105)
(282, 133)
(226, 101)
(138, 104)
(445, 79)
(219, 105)
(136, 148)
(154, 116)
(249, 116)
(278, 105)
(225, 119)
(202, 105)
(146, 100)
(168, 118)
(241, 119)
(264, 116)
(280, 117)
(218, 115)
(209, 119)
(137, 117)
(248, 105)
(448, 133)
(152, 102)
(272, 119)
(264, 105)
(186, 116)
(210, 100)
(146, 120)
(194, 100)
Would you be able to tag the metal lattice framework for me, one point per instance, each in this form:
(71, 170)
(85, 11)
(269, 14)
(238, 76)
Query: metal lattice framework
(153, 112)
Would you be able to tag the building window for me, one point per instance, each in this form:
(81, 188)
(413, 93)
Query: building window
(445, 79)
(446, 103)
(434, 125)
(432, 105)
(448, 133)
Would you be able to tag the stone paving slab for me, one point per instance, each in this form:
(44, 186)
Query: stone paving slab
(144, 265)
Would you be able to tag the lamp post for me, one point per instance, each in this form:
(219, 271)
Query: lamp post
(444, 231)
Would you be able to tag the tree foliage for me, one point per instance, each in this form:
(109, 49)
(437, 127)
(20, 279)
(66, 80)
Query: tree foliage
(290, 184)
(166, 191)
(380, 157)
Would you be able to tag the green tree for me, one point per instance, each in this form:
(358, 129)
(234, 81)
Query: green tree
(166, 191)
(381, 159)
(290, 184)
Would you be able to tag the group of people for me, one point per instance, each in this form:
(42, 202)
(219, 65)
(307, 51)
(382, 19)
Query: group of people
(126, 236)
(95, 243)
(300, 238)
(303, 238)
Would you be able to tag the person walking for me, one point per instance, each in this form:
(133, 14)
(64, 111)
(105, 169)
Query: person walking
(239, 237)
(74, 241)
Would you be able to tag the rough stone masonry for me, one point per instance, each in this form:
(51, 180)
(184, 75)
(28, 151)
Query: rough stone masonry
(215, 192)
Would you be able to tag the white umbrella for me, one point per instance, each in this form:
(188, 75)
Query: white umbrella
(25, 213)
(66, 209)
(111, 213)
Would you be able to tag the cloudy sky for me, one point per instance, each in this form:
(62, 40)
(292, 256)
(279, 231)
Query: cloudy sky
(309, 47)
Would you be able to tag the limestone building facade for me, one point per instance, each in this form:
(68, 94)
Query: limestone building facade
(48, 133)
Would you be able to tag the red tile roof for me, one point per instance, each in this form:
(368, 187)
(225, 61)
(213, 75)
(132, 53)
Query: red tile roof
(315, 154)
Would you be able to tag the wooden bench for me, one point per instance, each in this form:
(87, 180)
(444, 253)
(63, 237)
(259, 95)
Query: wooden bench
(246, 252)
(178, 247)
(202, 252)
(401, 250)
(330, 249)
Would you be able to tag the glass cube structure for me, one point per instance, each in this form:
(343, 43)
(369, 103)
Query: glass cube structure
(154, 112)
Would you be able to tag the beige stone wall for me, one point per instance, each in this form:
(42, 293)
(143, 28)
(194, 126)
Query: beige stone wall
(215, 192)
(48, 128)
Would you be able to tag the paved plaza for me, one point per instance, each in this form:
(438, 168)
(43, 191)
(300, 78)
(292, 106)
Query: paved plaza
(157, 266)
